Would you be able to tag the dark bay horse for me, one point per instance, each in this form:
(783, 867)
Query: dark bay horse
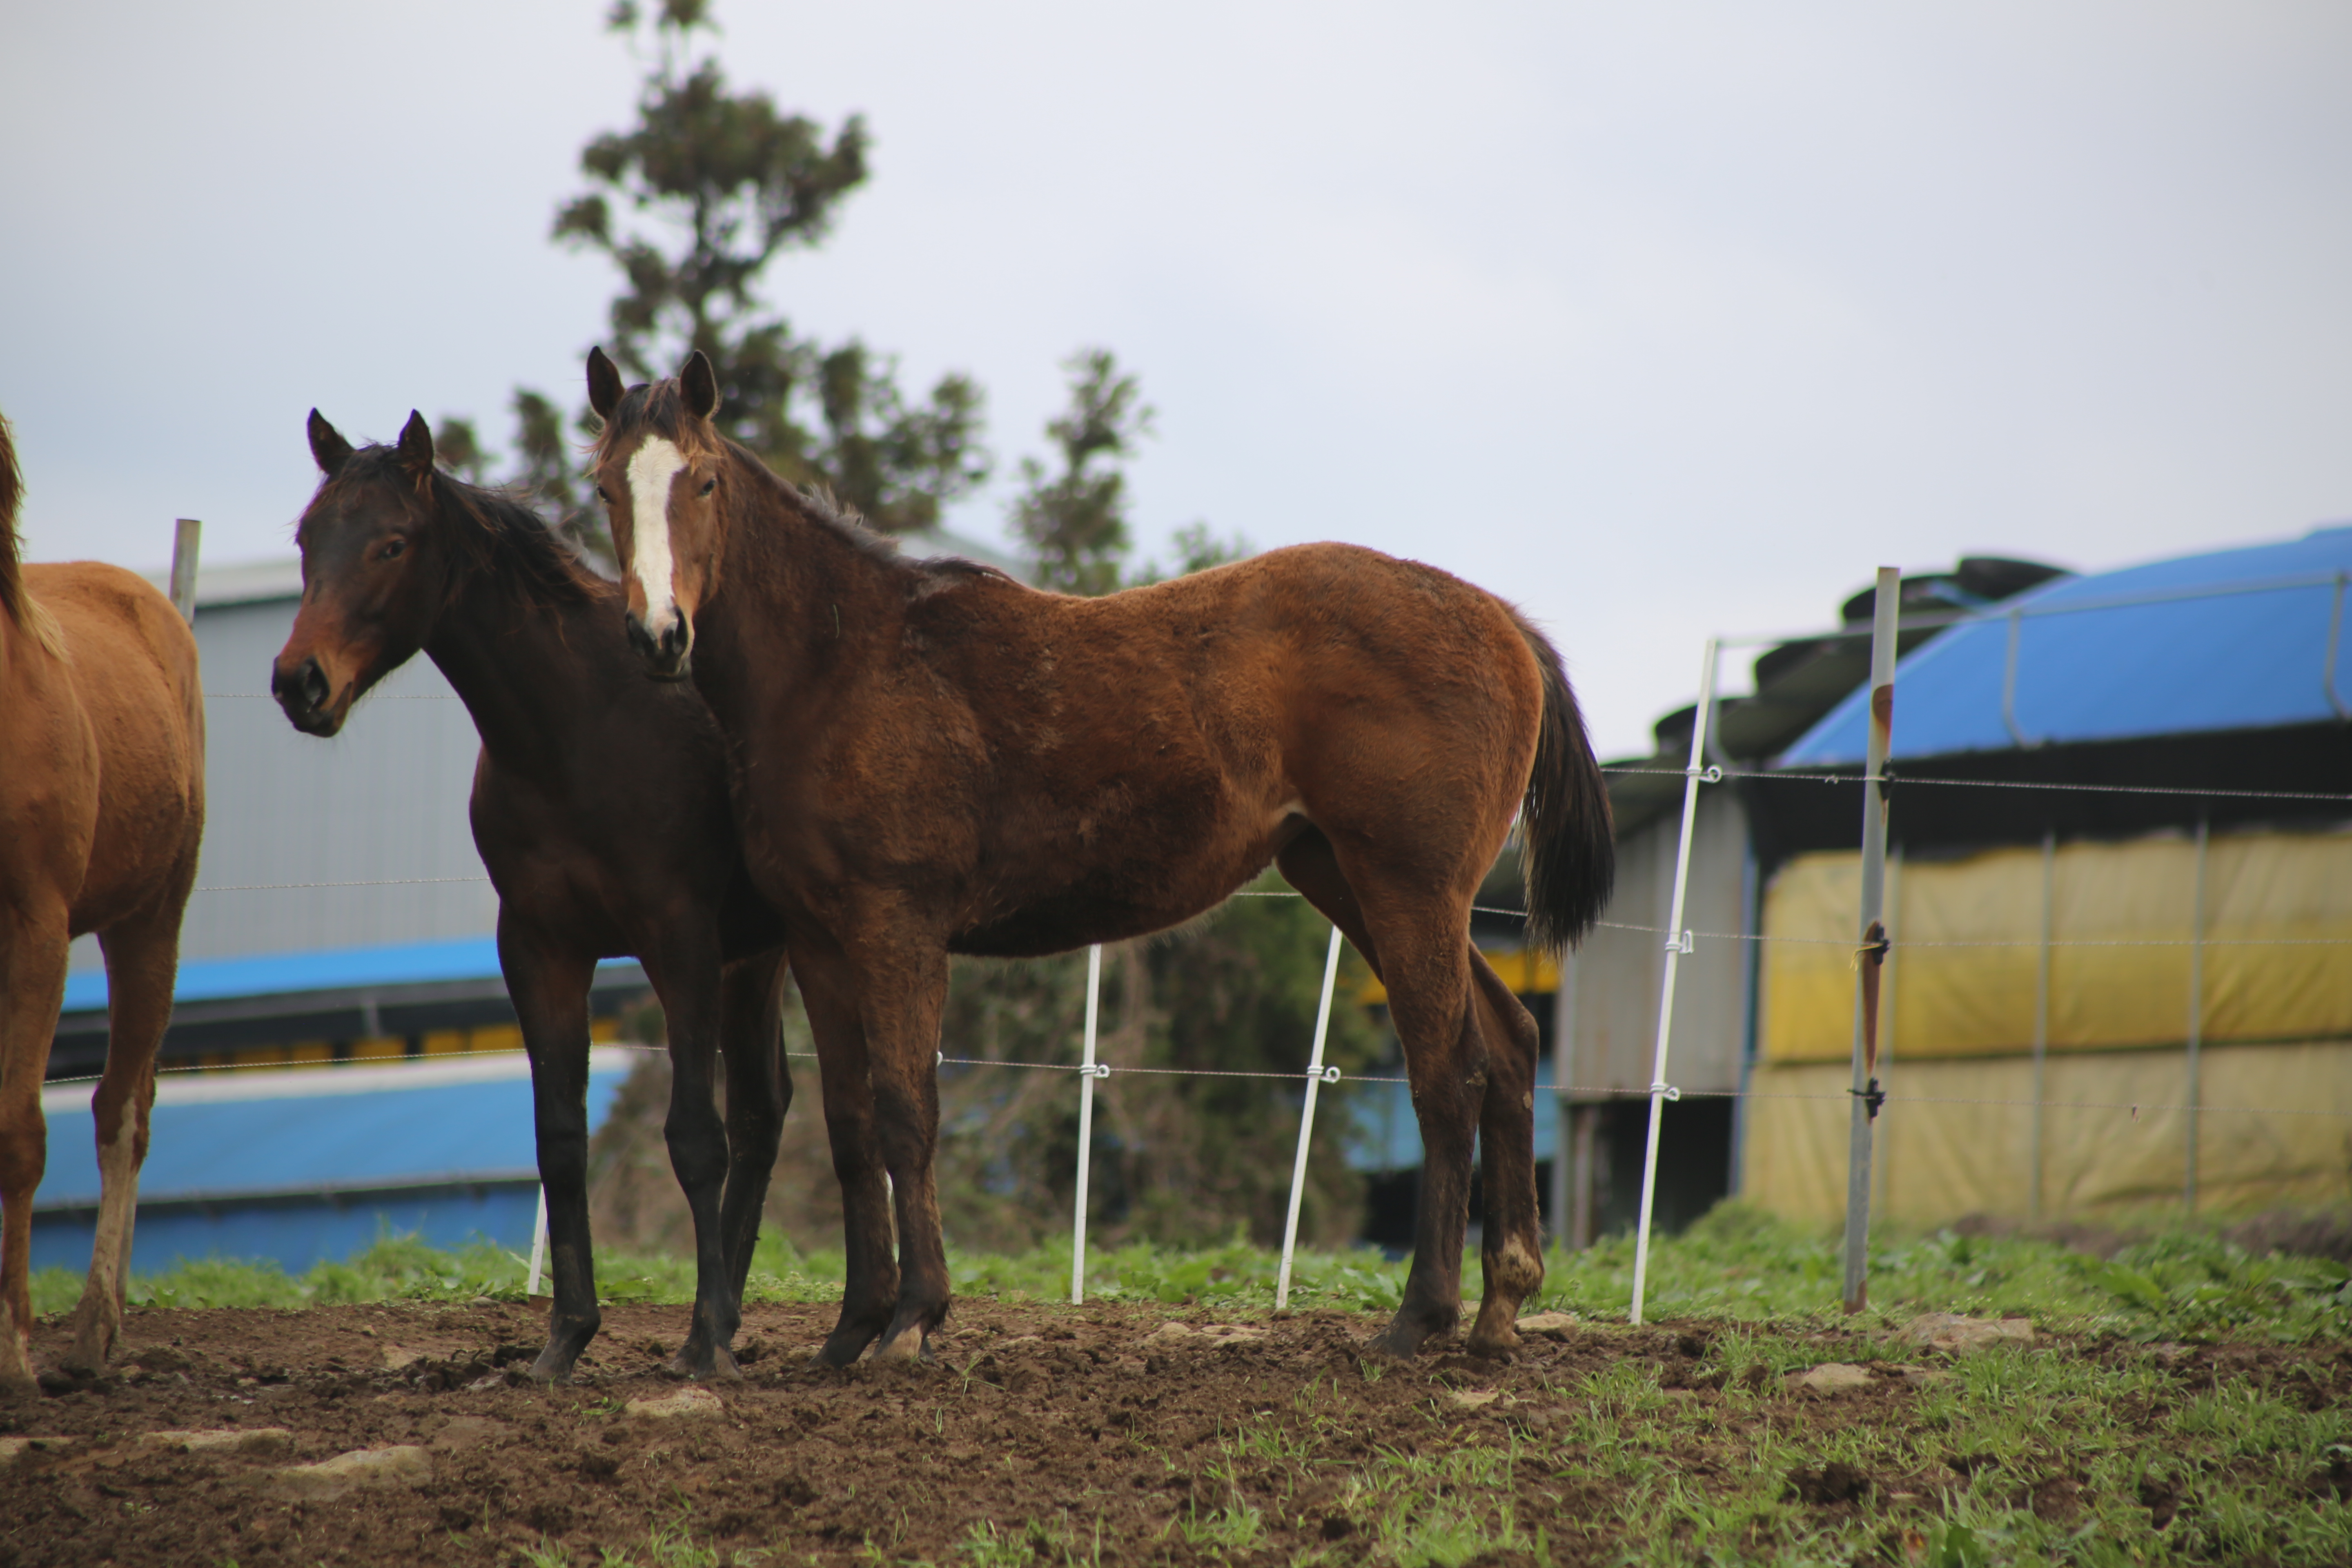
(599, 808)
(102, 814)
(933, 758)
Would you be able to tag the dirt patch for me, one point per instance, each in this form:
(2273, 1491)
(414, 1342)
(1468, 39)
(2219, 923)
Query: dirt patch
(1100, 1414)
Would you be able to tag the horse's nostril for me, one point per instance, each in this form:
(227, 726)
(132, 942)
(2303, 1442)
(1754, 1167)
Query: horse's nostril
(313, 682)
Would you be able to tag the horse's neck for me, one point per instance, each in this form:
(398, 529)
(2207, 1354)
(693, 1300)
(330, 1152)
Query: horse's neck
(799, 605)
(512, 660)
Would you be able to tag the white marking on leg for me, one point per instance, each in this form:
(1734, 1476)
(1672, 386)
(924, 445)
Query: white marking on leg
(652, 466)
(99, 1318)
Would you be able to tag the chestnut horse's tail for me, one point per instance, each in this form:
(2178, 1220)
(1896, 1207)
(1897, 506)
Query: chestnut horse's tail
(1567, 849)
(15, 602)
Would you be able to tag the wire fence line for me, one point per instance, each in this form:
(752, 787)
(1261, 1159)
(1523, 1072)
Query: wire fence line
(1329, 1076)
(1516, 914)
(1892, 780)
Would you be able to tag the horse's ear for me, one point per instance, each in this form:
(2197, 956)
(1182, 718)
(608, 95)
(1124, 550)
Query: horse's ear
(416, 446)
(699, 385)
(327, 448)
(605, 387)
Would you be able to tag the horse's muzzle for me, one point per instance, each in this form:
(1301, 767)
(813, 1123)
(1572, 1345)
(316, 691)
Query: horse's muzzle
(303, 692)
(668, 657)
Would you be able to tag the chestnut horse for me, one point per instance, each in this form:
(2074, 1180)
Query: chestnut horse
(933, 758)
(599, 808)
(101, 812)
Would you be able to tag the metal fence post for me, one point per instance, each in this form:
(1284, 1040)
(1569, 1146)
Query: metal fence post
(1871, 951)
(1306, 1121)
(2041, 1015)
(1677, 940)
(1087, 1076)
(185, 535)
(2196, 1013)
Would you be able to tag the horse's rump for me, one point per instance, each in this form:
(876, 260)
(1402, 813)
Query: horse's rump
(131, 662)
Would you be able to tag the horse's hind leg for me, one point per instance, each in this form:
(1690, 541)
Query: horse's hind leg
(902, 1012)
(759, 1091)
(33, 949)
(1417, 948)
(1512, 1249)
(143, 957)
(548, 980)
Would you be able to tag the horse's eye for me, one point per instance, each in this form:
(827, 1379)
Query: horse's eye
(602, 496)
(710, 485)
(392, 548)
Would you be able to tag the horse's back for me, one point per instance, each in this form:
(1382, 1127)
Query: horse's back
(132, 665)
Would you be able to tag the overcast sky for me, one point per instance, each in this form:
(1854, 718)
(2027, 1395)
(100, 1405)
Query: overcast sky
(1660, 320)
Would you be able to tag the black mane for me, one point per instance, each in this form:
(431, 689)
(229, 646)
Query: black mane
(495, 533)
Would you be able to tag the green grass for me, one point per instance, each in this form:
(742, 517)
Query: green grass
(2021, 1455)
(1736, 1264)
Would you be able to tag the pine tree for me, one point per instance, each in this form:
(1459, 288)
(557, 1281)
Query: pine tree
(691, 203)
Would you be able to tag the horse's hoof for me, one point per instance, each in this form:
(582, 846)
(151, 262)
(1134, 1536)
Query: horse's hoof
(1492, 1347)
(844, 1344)
(1400, 1341)
(909, 1344)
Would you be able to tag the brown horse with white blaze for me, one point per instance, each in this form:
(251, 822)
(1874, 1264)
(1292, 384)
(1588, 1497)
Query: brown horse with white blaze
(933, 758)
(102, 813)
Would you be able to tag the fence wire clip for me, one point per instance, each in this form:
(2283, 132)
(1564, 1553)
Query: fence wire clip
(1100, 1069)
(1679, 943)
(1708, 774)
(1667, 1090)
(1872, 1098)
(1876, 952)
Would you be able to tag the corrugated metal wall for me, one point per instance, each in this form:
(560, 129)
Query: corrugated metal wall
(1615, 1005)
(385, 801)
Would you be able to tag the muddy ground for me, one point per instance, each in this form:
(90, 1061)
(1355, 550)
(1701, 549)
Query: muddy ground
(1101, 1416)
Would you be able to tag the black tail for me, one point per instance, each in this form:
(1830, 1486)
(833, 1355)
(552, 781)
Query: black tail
(1567, 852)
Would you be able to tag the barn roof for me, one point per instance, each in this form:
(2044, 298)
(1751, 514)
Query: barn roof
(2233, 639)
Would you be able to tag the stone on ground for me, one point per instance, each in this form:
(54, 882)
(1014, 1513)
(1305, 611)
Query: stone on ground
(405, 1466)
(1551, 1325)
(1831, 1377)
(15, 1449)
(689, 1401)
(1953, 1333)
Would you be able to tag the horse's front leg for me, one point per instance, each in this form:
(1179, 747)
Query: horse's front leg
(758, 1093)
(870, 1291)
(548, 980)
(33, 963)
(687, 977)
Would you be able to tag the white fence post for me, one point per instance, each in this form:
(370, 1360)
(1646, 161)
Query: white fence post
(1306, 1122)
(185, 533)
(1087, 1076)
(1871, 951)
(1675, 939)
(538, 1244)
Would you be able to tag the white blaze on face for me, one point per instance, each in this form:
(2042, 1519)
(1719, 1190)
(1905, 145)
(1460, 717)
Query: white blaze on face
(652, 466)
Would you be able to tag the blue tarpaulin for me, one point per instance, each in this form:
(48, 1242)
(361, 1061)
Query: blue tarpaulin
(303, 1163)
(328, 969)
(2231, 640)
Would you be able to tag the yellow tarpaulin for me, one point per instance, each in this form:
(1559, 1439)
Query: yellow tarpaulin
(2277, 948)
(2277, 1128)
(1527, 973)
